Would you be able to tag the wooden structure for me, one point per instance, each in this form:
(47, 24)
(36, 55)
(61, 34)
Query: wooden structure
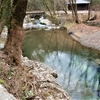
(81, 4)
(35, 14)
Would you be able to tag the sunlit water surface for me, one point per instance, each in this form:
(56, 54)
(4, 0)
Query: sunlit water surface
(77, 72)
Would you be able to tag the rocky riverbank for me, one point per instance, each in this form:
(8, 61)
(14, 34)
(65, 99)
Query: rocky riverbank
(45, 85)
(87, 35)
(36, 82)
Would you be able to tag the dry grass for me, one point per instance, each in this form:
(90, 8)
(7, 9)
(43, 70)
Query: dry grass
(18, 82)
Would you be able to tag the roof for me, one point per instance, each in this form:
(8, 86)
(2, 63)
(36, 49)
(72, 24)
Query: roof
(81, 2)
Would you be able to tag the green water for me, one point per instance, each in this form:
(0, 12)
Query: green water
(77, 72)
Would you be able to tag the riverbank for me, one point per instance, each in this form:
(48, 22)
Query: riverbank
(36, 82)
(87, 35)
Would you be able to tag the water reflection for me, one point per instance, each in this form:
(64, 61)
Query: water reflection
(78, 74)
(98, 90)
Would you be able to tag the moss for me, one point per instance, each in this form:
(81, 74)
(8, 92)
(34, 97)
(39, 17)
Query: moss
(2, 81)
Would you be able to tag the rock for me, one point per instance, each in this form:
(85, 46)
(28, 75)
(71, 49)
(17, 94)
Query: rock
(45, 78)
(1, 46)
(93, 23)
(92, 18)
(39, 67)
(4, 32)
(45, 84)
(41, 23)
(4, 95)
(28, 25)
(45, 21)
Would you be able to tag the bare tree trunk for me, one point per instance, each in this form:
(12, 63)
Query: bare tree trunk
(89, 11)
(64, 5)
(52, 2)
(0, 16)
(1, 27)
(49, 7)
(14, 41)
(74, 10)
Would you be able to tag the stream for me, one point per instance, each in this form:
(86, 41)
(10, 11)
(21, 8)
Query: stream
(78, 73)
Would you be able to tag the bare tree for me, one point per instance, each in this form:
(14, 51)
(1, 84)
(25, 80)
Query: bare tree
(0, 16)
(89, 11)
(74, 10)
(64, 5)
(49, 6)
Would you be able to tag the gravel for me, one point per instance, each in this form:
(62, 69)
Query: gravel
(91, 40)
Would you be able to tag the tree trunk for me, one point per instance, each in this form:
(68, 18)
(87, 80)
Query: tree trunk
(13, 45)
(74, 10)
(89, 10)
(0, 27)
(0, 16)
(14, 40)
(64, 5)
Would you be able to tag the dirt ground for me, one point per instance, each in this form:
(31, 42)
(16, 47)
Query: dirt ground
(87, 35)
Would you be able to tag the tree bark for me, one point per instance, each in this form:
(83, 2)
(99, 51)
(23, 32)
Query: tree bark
(1, 27)
(0, 16)
(64, 5)
(74, 10)
(89, 9)
(14, 40)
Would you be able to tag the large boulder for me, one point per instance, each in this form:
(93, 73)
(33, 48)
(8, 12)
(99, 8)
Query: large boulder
(4, 95)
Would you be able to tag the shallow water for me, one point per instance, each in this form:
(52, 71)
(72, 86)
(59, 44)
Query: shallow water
(77, 72)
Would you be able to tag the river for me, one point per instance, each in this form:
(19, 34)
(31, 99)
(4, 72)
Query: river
(78, 73)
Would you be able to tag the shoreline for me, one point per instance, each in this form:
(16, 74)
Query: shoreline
(45, 84)
(88, 36)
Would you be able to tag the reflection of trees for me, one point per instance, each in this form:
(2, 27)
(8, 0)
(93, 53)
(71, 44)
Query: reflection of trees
(43, 43)
(98, 90)
(71, 63)
(48, 41)
(35, 42)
